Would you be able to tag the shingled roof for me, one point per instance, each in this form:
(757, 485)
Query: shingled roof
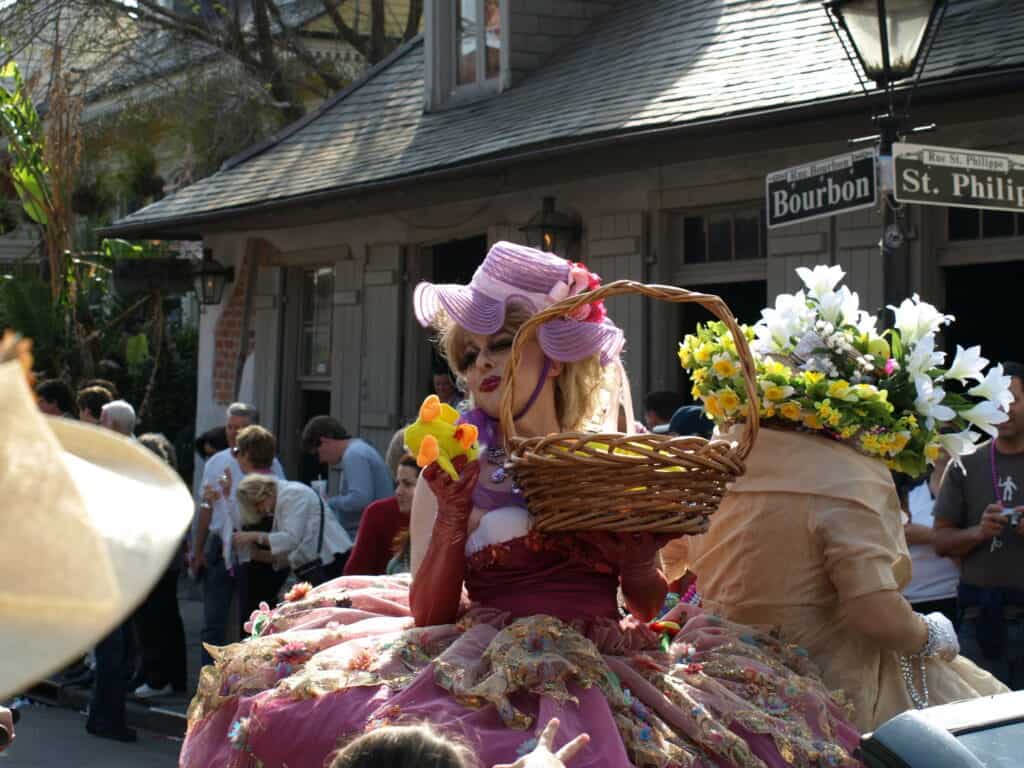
(646, 64)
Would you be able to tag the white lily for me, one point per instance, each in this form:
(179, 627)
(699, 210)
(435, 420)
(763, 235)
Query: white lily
(924, 357)
(967, 364)
(788, 318)
(960, 444)
(985, 415)
(916, 319)
(840, 307)
(866, 323)
(995, 387)
(929, 401)
(821, 280)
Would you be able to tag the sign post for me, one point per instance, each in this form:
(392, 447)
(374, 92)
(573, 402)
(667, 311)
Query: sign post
(822, 188)
(958, 177)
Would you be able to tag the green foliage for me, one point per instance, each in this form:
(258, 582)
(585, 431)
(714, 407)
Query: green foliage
(136, 352)
(25, 306)
(120, 347)
(23, 130)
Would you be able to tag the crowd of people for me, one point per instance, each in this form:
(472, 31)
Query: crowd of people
(318, 643)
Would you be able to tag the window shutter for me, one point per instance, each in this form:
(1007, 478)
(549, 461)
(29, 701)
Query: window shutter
(616, 247)
(381, 378)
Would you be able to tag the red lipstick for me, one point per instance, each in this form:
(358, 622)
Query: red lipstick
(490, 384)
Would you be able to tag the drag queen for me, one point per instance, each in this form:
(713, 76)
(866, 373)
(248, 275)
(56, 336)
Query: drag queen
(502, 628)
(810, 539)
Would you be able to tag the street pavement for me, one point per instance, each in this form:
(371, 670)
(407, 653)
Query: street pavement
(50, 737)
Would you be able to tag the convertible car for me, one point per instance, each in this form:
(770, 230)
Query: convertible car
(981, 733)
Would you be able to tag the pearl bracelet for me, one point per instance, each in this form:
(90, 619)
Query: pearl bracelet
(937, 636)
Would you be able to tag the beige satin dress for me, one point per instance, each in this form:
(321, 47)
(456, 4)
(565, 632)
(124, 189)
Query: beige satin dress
(812, 525)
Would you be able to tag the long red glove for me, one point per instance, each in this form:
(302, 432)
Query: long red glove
(437, 587)
(636, 555)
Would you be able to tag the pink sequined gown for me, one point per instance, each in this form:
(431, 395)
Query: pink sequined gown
(539, 636)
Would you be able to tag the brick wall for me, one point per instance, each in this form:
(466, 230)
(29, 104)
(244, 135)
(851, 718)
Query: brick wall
(228, 336)
(538, 28)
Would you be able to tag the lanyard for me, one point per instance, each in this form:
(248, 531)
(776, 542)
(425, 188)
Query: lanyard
(997, 542)
(995, 474)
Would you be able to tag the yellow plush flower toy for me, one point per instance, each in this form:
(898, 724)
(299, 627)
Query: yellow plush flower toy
(435, 436)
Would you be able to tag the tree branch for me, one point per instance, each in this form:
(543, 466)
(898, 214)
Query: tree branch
(303, 54)
(378, 41)
(412, 21)
(348, 34)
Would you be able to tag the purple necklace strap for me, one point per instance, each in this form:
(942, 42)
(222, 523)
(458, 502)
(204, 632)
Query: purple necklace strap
(536, 390)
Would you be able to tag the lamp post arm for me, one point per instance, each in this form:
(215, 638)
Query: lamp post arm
(842, 41)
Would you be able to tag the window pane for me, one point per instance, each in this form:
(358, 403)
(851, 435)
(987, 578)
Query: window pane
(720, 238)
(997, 223)
(964, 224)
(324, 297)
(317, 306)
(308, 296)
(748, 235)
(465, 41)
(694, 247)
(321, 353)
(492, 30)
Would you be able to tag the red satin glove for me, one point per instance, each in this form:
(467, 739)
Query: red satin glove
(636, 556)
(437, 587)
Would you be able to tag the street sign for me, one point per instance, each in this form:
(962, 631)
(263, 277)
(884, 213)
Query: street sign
(958, 177)
(822, 188)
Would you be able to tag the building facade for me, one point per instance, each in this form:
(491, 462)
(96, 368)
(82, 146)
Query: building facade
(655, 131)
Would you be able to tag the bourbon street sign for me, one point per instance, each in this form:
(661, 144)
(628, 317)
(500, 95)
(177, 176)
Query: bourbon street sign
(822, 188)
(959, 177)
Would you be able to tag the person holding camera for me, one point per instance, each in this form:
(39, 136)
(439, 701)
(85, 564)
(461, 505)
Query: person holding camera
(979, 519)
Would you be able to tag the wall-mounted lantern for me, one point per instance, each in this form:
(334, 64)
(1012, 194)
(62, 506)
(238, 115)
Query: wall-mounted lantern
(551, 230)
(211, 277)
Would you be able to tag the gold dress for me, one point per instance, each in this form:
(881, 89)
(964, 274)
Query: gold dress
(812, 525)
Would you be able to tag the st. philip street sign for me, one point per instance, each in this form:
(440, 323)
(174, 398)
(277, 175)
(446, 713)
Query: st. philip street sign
(822, 188)
(958, 177)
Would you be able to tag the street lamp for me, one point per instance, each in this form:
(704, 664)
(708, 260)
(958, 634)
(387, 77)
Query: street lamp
(211, 277)
(886, 34)
(551, 230)
(887, 37)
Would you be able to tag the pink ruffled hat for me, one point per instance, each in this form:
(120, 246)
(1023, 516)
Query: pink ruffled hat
(512, 272)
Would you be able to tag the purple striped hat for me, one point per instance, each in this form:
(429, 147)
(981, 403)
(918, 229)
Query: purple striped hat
(536, 279)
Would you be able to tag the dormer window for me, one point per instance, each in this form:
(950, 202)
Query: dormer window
(467, 44)
(477, 42)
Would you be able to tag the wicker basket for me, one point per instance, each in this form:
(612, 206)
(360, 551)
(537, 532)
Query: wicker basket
(578, 481)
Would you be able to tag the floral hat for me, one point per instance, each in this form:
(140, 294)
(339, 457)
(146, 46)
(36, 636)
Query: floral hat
(822, 366)
(512, 272)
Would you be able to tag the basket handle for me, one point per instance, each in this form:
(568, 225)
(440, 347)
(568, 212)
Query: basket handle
(670, 293)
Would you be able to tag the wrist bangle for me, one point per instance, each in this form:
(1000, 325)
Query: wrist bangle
(206, 506)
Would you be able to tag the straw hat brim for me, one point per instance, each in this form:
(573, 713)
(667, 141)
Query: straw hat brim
(91, 520)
